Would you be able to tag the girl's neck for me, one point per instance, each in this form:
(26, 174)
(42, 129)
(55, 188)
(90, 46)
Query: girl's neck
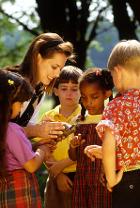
(67, 110)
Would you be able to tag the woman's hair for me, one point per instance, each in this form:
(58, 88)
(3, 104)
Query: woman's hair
(101, 77)
(46, 44)
(13, 88)
(69, 73)
(125, 53)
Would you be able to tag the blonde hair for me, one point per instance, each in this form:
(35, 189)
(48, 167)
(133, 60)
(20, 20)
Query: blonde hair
(125, 53)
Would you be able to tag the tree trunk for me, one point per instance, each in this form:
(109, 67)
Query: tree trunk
(126, 27)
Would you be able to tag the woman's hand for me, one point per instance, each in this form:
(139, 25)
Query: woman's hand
(76, 141)
(64, 183)
(93, 151)
(51, 130)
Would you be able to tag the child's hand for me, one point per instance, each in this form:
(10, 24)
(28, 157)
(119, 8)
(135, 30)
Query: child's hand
(93, 151)
(47, 151)
(64, 183)
(118, 178)
(54, 167)
(76, 141)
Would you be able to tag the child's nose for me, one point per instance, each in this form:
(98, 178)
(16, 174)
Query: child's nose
(89, 102)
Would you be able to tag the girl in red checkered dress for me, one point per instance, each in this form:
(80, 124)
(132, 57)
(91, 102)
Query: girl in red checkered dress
(95, 87)
(120, 127)
(18, 183)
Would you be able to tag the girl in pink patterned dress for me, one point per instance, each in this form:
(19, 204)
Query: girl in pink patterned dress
(120, 127)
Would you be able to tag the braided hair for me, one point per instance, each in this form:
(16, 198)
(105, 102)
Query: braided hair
(102, 77)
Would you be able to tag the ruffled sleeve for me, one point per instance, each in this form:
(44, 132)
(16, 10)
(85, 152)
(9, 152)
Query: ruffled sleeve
(112, 119)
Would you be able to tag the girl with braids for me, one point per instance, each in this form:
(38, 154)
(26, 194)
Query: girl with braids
(95, 87)
(18, 184)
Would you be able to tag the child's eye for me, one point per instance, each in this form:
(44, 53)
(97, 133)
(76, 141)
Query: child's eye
(95, 97)
(63, 89)
(74, 90)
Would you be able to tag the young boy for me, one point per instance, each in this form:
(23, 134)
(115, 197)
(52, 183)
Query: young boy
(61, 168)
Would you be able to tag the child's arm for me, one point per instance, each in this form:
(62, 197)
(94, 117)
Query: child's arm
(41, 154)
(75, 142)
(64, 183)
(93, 151)
(109, 159)
(56, 167)
(72, 153)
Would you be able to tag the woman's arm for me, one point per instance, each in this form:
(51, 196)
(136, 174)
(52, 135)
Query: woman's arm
(47, 130)
(109, 159)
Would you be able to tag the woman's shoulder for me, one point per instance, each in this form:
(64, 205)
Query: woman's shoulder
(53, 111)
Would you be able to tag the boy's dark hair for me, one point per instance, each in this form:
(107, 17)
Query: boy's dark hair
(102, 77)
(13, 88)
(69, 73)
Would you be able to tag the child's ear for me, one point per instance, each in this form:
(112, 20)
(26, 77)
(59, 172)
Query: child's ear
(108, 93)
(55, 90)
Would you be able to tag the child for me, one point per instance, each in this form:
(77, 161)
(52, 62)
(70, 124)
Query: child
(95, 87)
(18, 184)
(120, 127)
(62, 170)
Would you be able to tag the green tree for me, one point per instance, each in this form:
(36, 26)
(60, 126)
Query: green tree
(77, 20)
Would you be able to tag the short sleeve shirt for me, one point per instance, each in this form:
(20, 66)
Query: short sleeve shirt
(122, 116)
(18, 147)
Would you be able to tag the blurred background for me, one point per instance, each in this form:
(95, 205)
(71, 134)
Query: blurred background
(93, 26)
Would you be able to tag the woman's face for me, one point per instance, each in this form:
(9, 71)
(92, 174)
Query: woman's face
(49, 68)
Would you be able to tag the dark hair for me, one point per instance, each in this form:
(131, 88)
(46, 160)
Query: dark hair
(13, 88)
(102, 77)
(46, 44)
(67, 74)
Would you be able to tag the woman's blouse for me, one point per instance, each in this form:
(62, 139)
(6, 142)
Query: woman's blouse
(122, 116)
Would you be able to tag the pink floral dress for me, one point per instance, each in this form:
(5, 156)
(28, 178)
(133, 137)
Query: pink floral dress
(122, 116)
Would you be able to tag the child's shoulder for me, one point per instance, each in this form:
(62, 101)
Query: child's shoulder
(15, 131)
(52, 112)
(89, 119)
(116, 102)
(14, 126)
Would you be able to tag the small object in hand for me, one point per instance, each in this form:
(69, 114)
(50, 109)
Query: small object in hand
(69, 129)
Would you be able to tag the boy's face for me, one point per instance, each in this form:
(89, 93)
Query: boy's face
(93, 98)
(68, 93)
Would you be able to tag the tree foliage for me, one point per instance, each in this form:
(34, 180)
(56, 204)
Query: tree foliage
(76, 20)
